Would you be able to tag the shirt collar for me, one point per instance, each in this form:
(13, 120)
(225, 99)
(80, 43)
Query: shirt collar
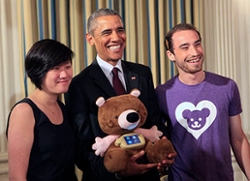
(106, 67)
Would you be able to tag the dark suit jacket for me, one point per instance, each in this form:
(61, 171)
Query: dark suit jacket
(80, 100)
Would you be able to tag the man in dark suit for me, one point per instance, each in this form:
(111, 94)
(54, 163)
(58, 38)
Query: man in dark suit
(107, 34)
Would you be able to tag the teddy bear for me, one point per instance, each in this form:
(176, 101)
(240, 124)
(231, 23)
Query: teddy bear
(121, 117)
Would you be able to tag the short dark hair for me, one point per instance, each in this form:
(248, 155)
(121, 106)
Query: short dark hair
(168, 42)
(91, 24)
(43, 56)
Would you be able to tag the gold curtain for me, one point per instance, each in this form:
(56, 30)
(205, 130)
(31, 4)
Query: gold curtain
(146, 23)
(23, 22)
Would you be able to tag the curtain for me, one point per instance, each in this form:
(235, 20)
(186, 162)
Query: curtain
(23, 22)
(224, 26)
(146, 23)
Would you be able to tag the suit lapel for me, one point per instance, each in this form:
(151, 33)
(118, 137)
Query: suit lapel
(131, 78)
(97, 75)
(100, 79)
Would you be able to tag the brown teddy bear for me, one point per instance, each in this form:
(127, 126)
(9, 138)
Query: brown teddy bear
(121, 118)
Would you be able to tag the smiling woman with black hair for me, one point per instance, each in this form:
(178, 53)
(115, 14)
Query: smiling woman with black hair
(40, 139)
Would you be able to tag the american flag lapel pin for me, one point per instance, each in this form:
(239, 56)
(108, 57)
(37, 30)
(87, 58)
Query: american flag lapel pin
(133, 78)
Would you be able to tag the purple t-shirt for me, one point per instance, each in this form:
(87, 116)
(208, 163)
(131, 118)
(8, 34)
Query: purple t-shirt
(199, 126)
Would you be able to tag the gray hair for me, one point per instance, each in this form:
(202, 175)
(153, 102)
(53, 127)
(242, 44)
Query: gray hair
(91, 24)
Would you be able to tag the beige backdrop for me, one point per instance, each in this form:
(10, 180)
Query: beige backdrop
(223, 24)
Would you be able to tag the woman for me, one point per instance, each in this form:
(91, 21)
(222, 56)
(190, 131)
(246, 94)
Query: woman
(40, 139)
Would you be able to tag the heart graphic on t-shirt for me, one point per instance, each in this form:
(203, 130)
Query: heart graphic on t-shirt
(196, 119)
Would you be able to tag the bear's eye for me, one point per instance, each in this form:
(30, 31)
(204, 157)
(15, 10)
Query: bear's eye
(116, 117)
(138, 111)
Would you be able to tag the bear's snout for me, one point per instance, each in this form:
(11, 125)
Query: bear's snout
(129, 119)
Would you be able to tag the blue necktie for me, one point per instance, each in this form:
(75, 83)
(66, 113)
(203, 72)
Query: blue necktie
(117, 84)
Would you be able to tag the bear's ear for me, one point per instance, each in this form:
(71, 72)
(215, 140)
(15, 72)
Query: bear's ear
(100, 101)
(135, 92)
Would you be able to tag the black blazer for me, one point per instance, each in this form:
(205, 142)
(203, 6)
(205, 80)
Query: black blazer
(80, 100)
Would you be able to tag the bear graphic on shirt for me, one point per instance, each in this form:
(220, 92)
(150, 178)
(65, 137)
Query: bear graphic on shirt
(196, 119)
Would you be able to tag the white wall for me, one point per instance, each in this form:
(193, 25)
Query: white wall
(227, 48)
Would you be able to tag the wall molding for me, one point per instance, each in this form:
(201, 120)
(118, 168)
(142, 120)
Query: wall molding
(3, 163)
(226, 44)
